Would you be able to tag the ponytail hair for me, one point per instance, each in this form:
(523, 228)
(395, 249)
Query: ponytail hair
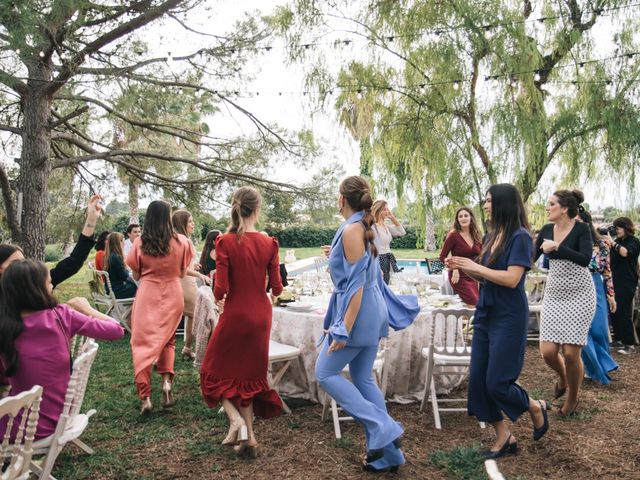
(571, 200)
(246, 201)
(356, 191)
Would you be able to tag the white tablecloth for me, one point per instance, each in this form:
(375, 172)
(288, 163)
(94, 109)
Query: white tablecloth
(403, 358)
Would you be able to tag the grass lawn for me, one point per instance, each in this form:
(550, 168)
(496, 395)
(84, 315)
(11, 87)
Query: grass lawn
(184, 442)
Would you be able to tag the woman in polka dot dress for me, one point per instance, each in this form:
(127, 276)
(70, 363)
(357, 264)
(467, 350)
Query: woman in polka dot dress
(569, 302)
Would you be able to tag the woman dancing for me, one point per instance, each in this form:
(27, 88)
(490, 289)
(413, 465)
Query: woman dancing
(159, 259)
(500, 323)
(234, 370)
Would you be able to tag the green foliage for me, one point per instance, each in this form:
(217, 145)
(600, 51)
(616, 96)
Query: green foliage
(298, 236)
(53, 253)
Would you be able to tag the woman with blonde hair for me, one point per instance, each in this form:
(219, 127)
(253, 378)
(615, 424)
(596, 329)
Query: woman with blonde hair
(384, 234)
(121, 282)
(463, 240)
(184, 225)
(159, 258)
(234, 370)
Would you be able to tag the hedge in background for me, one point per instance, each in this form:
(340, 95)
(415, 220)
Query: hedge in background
(299, 236)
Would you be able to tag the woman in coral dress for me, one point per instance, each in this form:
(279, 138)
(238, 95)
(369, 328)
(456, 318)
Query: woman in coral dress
(159, 259)
(234, 370)
(464, 240)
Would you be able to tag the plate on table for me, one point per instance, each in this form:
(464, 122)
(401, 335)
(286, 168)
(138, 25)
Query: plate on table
(300, 306)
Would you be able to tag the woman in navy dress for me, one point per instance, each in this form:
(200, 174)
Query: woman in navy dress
(359, 314)
(500, 322)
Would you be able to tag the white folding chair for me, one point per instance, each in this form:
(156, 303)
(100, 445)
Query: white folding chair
(448, 354)
(380, 374)
(321, 264)
(118, 308)
(535, 294)
(284, 354)
(15, 455)
(71, 423)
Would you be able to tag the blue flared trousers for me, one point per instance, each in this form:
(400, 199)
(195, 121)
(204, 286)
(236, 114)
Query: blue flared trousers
(497, 357)
(362, 399)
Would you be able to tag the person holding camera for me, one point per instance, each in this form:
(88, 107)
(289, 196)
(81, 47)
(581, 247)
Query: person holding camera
(625, 249)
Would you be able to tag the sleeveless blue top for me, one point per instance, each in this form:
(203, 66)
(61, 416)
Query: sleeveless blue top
(379, 308)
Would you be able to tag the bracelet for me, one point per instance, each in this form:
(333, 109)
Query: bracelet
(89, 225)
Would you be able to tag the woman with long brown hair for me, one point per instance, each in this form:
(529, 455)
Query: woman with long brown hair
(463, 240)
(234, 370)
(159, 259)
(184, 225)
(121, 282)
(500, 322)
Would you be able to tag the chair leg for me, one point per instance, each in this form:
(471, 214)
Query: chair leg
(325, 411)
(83, 446)
(427, 384)
(434, 404)
(336, 419)
(47, 463)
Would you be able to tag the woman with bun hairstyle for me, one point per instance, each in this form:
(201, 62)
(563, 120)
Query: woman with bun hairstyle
(234, 370)
(360, 311)
(569, 302)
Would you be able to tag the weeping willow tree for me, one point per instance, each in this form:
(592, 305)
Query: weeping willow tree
(447, 98)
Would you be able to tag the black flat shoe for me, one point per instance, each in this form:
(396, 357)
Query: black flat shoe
(506, 448)
(370, 468)
(538, 433)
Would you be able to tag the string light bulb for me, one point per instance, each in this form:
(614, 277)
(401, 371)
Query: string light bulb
(581, 68)
(537, 77)
(359, 95)
(630, 60)
(169, 58)
(456, 85)
(41, 54)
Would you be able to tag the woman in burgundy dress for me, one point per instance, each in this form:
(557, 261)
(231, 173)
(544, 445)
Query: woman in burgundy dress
(234, 370)
(464, 240)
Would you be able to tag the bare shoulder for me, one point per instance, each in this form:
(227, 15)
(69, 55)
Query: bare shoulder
(353, 241)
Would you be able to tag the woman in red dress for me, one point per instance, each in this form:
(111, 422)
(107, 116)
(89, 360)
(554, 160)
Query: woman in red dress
(234, 370)
(463, 241)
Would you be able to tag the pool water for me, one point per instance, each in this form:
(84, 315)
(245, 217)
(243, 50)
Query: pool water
(419, 266)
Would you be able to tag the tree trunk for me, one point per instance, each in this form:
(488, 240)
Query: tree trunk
(430, 232)
(35, 163)
(134, 214)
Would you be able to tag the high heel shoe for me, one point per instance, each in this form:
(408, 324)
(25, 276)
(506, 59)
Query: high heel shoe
(237, 433)
(507, 447)
(167, 395)
(188, 354)
(146, 406)
(243, 448)
(390, 461)
(538, 433)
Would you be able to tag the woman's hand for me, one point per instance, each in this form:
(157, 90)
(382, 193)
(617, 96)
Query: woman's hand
(455, 276)
(204, 279)
(326, 250)
(612, 304)
(335, 346)
(220, 304)
(463, 263)
(608, 241)
(94, 210)
(549, 246)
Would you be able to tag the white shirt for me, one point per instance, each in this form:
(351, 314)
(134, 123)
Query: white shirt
(127, 246)
(384, 235)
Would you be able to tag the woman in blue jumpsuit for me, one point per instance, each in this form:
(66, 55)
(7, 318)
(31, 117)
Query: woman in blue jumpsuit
(500, 322)
(359, 314)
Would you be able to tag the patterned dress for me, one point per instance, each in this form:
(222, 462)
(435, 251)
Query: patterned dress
(569, 301)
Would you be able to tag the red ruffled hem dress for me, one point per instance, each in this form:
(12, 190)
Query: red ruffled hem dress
(467, 287)
(235, 365)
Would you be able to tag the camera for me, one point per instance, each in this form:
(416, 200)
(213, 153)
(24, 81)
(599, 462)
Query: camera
(611, 230)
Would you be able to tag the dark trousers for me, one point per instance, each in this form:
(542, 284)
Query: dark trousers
(622, 320)
(497, 357)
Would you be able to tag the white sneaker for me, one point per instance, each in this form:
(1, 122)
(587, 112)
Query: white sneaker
(627, 350)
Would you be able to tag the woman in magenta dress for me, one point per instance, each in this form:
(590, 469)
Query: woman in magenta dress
(464, 240)
(234, 370)
(35, 332)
